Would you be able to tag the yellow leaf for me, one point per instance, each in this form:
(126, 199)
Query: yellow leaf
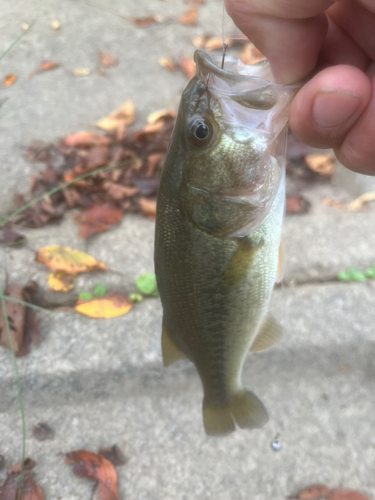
(323, 164)
(122, 116)
(60, 281)
(360, 201)
(110, 306)
(67, 259)
(161, 114)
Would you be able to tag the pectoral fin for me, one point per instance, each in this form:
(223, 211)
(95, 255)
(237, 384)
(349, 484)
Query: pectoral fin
(170, 352)
(240, 262)
(270, 334)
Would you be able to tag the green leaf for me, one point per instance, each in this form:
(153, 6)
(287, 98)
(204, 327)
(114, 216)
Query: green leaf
(136, 297)
(351, 272)
(146, 283)
(343, 276)
(100, 290)
(85, 296)
(370, 273)
(358, 276)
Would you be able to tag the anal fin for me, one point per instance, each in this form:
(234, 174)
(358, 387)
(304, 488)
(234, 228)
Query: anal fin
(269, 334)
(170, 352)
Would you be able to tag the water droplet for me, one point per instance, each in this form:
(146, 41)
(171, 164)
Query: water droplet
(275, 445)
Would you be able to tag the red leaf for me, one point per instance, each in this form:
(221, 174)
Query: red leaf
(97, 218)
(97, 156)
(113, 454)
(297, 205)
(97, 468)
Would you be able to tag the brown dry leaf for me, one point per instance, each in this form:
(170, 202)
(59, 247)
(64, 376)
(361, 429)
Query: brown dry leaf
(42, 431)
(145, 22)
(107, 59)
(358, 203)
(250, 54)
(78, 72)
(110, 306)
(323, 164)
(97, 468)
(148, 208)
(187, 66)
(314, 491)
(80, 139)
(118, 192)
(346, 495)
(167, 62)
(16, 318)
(28, 464)
(31, 332)
(59, 281)
(113, 454)
(9, 79)
(216, 43)
(45, 66)
(296, 205)
(122, 116)
(97, 157)
(68, 260)
(30, 491)
(189, 17)
(7, 235)
(161, 114)
(332, 203)
(97, 218)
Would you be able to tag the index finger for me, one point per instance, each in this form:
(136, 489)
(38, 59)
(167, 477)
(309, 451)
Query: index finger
(289, 33)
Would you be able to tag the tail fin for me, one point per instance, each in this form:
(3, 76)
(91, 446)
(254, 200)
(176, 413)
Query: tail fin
(245, 409)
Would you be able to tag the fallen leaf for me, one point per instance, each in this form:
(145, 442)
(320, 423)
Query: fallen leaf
(148, 208)
(146, 186)
(100, 290)
(113, 454)
(187, 66)
(110, 306)
(97, 468)
(42, 431)
(250, 54)
(30, 491)
(189, 17)
(82, 138)
(358, 203)
(45, 66)
(31, 332)
(323, 164)
(78, 72)
(67, 259)
(296, 205)
(7, 235)
(122, 116)
(59, 281)
(167, 62)
(118, 192)
(15, 313)
(28, 464)
(145, 22)
(313, 492)
(146, 283)
(161, 114)
(9, 79)
(199, 41)
(97, 157)
(55, 25)
(215, 43)
(107, 59)
(346, 495)
(97, 218)
(332, 203)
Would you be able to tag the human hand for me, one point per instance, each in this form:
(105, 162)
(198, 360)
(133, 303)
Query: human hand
(336, 107)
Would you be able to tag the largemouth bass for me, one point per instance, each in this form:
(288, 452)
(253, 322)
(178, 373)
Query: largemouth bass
(218, 227)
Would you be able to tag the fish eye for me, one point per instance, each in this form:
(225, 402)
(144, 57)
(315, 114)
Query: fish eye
(201, 132)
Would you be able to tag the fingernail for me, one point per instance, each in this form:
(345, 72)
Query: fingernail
(332, 108)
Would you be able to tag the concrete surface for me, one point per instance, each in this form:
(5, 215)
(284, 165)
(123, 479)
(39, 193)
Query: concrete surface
(101, 382)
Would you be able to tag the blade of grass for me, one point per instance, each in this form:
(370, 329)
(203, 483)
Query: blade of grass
(19, 392)
(63, 186)
(27, 304)
(17, 40)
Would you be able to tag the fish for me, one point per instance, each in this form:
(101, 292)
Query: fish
(220, 209)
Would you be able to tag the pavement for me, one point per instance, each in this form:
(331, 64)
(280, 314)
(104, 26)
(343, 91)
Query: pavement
(101, 382)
